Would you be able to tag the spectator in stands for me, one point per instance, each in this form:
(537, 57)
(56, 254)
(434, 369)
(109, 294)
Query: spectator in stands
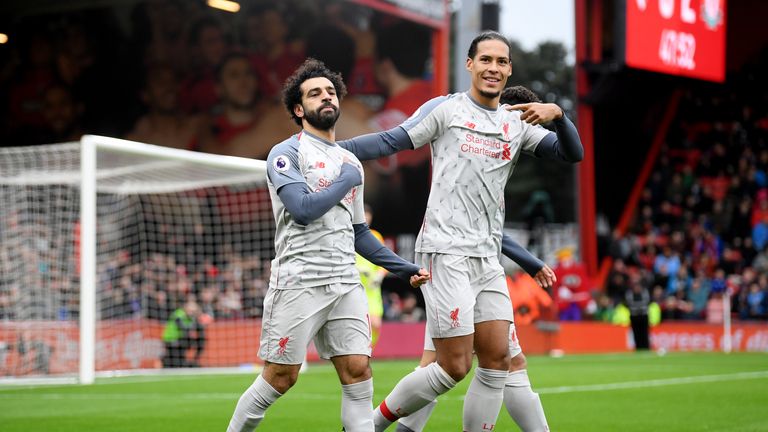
(755, 304)
(157, 304)
(273, 57)
(247, 126)
(30, 79)
(333, 46)
(402, 52)
(698, 294)
(164, 124)
(62, 116)
(208, 46)
(411, 311)
(183, 332)
(618, 281)
(230, 304)
(160, 33)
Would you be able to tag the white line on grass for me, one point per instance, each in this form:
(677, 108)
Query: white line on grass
(653, 383)
(315, 396)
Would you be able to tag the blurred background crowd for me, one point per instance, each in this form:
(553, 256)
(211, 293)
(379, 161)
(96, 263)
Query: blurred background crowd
(173, 73)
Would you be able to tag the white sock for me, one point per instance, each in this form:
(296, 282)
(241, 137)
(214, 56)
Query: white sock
(418, 420)
(483, 400)
(523, 405)
(252, 405)
(357, 406)
(412, 393)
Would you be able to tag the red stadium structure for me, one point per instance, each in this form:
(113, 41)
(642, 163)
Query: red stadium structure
(635, 58)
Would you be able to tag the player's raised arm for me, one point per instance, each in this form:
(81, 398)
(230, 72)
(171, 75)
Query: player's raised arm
(563, 145)
(371, 249)
(304, 205)
(379, 144)
(412, 133)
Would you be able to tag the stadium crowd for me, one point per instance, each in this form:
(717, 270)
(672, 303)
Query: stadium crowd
(701, 226)
(187, 78)
(183, 75)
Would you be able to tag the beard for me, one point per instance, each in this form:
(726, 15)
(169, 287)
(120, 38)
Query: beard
(489, 95)
(322, 120)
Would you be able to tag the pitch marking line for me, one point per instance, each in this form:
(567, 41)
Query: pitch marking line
(310, 396)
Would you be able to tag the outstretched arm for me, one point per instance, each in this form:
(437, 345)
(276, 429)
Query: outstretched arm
(376, 145)
(371, 249)
(305, 206)
(543, 275)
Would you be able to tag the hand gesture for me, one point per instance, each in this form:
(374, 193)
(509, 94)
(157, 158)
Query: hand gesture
(348, 168)
(545, 277)
(420, 278)
(537, 113)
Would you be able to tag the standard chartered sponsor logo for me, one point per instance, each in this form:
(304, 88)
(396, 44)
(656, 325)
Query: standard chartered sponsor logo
(485, 146)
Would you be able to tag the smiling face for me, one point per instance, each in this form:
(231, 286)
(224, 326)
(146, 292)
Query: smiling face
(319, 103)
(489, 70)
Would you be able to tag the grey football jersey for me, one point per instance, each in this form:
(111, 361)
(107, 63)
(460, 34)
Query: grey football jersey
(322, 252)
(474, 150)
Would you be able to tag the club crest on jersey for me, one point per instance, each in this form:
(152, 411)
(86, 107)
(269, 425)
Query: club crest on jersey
(281, 163)
(505, 128)
(455, 318)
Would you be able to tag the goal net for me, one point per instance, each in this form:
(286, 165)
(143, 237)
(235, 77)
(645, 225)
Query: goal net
(116, 255)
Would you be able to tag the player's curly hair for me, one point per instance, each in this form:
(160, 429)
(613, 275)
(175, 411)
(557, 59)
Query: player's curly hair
(518, 95)
(311, 68)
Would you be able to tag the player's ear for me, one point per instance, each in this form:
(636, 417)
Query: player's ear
(298, 110)
(469, 64)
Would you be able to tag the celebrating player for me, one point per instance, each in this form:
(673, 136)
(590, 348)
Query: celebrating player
(475, 146)
(315, 292)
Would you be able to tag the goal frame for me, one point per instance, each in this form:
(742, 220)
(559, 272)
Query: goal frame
(88, 211)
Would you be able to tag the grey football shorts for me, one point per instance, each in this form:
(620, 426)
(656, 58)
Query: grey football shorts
(334, 316)
(463, 291)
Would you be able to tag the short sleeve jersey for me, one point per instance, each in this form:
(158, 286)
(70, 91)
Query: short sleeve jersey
(474, 150)
(322, 252)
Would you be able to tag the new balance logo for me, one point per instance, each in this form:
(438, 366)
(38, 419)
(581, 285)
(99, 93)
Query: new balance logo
(283, 343)
(319, 164)
(455, 318)
(470, 125)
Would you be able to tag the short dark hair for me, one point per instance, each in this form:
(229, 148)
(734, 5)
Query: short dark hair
(484, 36)
(518, 95)
(407, 46)
(311, 68)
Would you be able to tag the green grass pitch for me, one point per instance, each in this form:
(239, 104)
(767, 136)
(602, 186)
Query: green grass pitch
(626, 392)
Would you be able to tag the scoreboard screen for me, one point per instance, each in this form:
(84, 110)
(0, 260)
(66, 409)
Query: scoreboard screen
(678, 37)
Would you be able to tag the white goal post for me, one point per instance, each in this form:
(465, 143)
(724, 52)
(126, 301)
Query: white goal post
(120, 255)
